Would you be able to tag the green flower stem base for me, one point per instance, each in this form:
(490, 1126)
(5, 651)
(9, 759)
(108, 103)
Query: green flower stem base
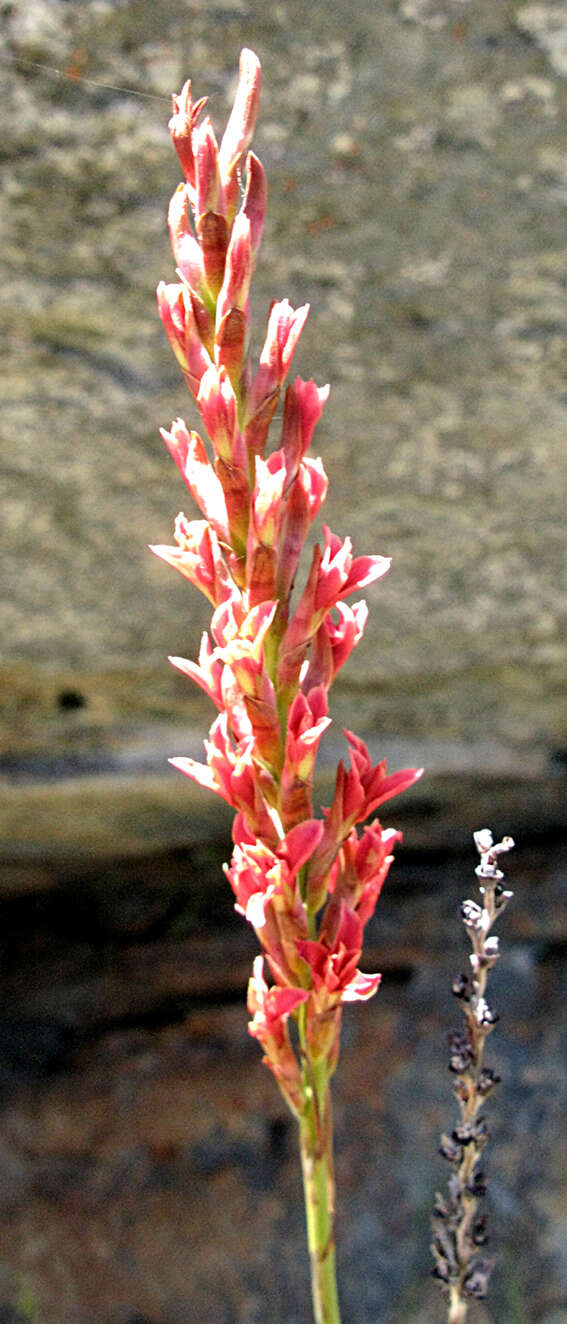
(316, 1144)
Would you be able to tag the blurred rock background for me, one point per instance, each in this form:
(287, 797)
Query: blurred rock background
(416, 153)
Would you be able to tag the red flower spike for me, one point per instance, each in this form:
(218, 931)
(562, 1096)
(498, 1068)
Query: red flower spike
(261, 751)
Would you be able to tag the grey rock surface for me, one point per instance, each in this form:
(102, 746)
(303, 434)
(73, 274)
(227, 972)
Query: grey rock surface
(417, 161)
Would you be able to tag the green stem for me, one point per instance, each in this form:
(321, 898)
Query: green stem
(316, 1144)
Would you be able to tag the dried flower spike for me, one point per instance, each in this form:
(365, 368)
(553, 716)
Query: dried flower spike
(458, 1229)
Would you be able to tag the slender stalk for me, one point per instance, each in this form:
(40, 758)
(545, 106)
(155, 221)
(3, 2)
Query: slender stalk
(459, 1231)
(457, 1311)
(316, 1146)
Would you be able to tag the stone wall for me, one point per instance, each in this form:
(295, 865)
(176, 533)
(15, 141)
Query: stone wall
(416, 161)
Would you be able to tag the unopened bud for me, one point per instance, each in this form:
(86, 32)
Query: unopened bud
(484, 1015)
(476, 1280)
(479, 1232)
(476, 1185)
(487, 1081)
(449, 1149)
(460, 987)
(471, 914)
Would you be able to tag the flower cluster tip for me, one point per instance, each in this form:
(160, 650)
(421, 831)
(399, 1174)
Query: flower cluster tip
(308, 885)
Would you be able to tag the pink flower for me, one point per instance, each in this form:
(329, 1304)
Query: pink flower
(209, 192)
(303, 407)
(264, 883)
(234, 292)
(240, 128)
(242, 635)
(234, 774)
(306, 722)
(186, 249)
(333, 962)
(333, 575)
(181, 127)
(176, 311)
(277, 911)
(270, 1009)
(265, 511)
(230, 330)
(244, 655)
(284, 329)
(367, 786)
(207, 674)
(339, 575)
(360, 870)
(304, 496)
(333, 643)
(255, 199)
(191, 459)
(217, 403)
(358, 792)
(198, 557)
